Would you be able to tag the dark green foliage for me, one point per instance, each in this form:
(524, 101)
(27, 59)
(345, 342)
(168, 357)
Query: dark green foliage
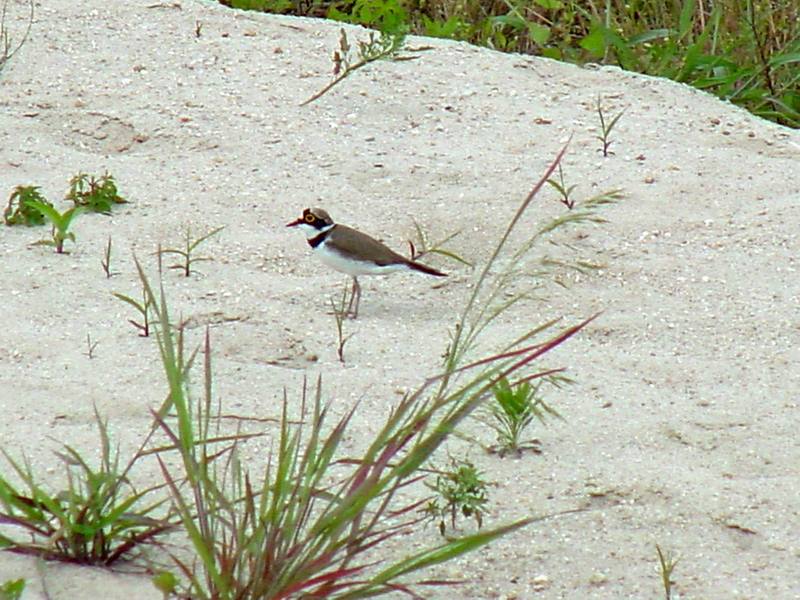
(460, 490)
(19, 211)
(96, 194)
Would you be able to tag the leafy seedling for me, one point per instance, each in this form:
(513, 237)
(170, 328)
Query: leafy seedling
(460, 490)
(425, 246)
(106, 260)
(340, 312)
(666, 564)
(563, 189)
(143, 309)
(511, 412)
(606, 128)
(61, 223)
(19, 211)
(189, 247)
(98, 519)
(346, 60)
(96, 194)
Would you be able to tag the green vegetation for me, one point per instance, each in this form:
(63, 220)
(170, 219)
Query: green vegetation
(61, 223)
(346, 61)
(96, 194)
(666, 565)
(98, 518)
(460, 490)
(12, 589)
(143, 308)
(511, 413)
(190, 244)
(19, 211)
(745, 51)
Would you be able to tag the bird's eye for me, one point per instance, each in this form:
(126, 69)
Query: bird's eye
(310, 218)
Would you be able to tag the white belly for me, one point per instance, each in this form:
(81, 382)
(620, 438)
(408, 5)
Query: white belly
(352, 267)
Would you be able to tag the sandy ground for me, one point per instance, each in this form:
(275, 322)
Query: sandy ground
(682, 427)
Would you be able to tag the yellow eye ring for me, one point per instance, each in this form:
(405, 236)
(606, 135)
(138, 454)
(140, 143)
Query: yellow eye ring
(309, 218)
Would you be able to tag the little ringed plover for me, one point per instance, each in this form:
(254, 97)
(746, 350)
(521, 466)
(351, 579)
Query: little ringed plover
(352, 252)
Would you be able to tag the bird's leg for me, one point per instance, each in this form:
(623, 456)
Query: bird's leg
(355, 299)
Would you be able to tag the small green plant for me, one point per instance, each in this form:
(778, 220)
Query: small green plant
(460, 490)
(425, 246)
(346, 61)
(96, 194)
(606, 128)
(99, 518)
(19, 211)
(61, 223)
(106, 260)
(12, 589)
(143, 308)
(340, 313)
(666, 564)
(190, 245)
(511, 412)
(563, 189)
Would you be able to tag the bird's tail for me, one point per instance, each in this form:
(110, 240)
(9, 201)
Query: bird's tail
(425, 269)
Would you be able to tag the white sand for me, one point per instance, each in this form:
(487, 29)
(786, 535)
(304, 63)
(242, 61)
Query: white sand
(682, 428)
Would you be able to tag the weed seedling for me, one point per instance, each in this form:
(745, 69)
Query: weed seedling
(346, 61)
(106, 260)
(143, 308)
(424, 246)
(666, 564)
(511, 412)
(98, 519)
(96, 194)
(606, 128)
(19, 211)
(340, 312)
(460, 490)
(90, 346)
(563, 189)
(60, 221)
(188, 248)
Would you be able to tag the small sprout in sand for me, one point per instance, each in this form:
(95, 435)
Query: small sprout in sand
(460, 490)
(189, 247)
(61, 223)
(90, 346)
(563, 189)
(666, 564)
(96, 194)
(106, 260)
(606, 128)
(143, 308)
(340, 313)
(511, 412)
